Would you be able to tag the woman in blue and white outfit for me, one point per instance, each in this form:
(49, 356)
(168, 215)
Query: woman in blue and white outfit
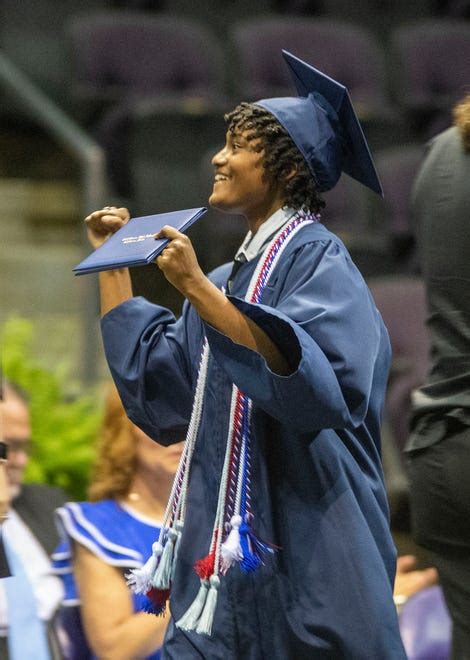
(113, 533)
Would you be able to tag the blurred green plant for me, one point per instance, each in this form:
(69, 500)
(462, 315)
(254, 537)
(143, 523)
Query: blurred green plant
(64, 423)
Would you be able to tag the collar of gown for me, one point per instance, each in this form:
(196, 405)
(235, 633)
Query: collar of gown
(253, 245)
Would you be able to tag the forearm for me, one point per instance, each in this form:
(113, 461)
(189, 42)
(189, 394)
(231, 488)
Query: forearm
(115, 288)
(136, 637)
(216, 309)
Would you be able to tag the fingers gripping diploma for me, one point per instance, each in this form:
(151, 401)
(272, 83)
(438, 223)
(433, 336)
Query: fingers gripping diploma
(178, 262)
(101, 224)
(115, 286)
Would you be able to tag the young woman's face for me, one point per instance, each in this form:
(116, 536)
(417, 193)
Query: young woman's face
(240, 184)
(152, 457)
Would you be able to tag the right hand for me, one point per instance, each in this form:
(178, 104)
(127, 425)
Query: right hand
(102, 224)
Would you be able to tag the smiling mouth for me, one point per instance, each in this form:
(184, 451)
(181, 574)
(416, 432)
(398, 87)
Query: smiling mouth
(220, 177)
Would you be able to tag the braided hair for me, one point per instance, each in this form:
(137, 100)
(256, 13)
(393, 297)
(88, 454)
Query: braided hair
(462, 120)
(280, 155)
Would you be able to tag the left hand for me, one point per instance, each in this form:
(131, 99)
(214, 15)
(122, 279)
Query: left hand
(408, 580)
(178, 261)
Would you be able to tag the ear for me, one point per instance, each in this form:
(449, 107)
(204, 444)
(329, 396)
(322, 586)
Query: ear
(291, 173)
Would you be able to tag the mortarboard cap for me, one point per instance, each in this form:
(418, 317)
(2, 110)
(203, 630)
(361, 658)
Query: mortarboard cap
(322, 123)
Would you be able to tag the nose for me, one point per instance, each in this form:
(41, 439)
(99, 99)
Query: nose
(220, 157)
(18, 459)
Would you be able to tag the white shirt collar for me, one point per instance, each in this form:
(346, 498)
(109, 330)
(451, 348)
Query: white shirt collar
(253, 245)
(46, 587)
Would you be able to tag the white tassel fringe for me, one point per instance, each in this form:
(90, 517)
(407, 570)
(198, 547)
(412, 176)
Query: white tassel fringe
(190, 618)
(140, 579)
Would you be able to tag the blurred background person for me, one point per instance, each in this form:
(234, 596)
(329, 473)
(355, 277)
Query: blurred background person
(4, 495)
(111, 534)
(30, 598)
(439, 445)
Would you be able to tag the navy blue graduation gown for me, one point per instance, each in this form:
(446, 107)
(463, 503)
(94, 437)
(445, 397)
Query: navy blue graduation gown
(318, 489)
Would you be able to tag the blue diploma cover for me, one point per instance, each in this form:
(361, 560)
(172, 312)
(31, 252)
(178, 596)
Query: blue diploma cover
(135, 243)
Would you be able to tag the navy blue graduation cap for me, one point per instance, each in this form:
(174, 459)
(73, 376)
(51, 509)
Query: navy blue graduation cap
(322, 123)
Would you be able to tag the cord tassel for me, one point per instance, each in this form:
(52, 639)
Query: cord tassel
(204, 626)
(140, 579)
(231, 550)
(254, 550)
(162, 576)
(156, 601)
(205, 567)
(190, 618)
(179, 533)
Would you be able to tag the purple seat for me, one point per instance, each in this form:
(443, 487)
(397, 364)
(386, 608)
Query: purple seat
(402, 303)
(397, 168)
(344, 51)
(430, 69)
(133, 65)
(121, 54)
(32, 35)
(425, 626)
(345, 212)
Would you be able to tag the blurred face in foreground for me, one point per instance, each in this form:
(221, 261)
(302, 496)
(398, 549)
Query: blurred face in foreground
(240, 182)
(17, 433)
(161, 462)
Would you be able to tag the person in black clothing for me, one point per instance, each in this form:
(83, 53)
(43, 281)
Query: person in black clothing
(439, 444)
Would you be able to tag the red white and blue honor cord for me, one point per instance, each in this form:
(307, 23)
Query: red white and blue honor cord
(233, 539)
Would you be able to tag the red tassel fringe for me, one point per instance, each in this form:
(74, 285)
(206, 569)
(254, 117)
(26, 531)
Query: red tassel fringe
(205, 567)
(158, 599)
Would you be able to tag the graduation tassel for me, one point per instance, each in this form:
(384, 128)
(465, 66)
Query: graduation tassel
(179, 532)
(206, 619)
(200, 614)
(156, 601)
(140, 579)
(254, 550)
(231, 550)
(250, 561)
(205, 567)
(190, 618)
(162, 576)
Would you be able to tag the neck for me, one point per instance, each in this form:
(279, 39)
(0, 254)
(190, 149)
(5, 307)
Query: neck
(256, 217)
(148, 494)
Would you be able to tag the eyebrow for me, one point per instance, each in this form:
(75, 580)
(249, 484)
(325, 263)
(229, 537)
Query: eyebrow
(236, 135)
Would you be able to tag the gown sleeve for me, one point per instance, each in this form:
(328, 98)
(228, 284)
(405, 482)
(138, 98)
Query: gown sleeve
(149, 355)
(327, 327)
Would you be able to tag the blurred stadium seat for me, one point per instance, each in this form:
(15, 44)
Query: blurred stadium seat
(402, 304)
(430, 70)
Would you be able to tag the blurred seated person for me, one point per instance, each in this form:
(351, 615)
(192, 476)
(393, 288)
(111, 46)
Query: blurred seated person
(33, 594)
(111, 534)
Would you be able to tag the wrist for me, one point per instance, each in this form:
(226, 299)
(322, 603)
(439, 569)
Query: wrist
(196, 288)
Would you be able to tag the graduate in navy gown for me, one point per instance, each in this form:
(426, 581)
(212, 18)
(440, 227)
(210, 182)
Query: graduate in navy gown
(279, 364)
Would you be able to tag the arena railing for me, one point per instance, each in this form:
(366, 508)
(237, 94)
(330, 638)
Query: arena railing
(94, 187)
